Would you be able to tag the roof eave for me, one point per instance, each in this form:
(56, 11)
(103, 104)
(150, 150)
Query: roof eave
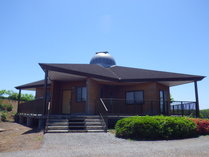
(164, 79)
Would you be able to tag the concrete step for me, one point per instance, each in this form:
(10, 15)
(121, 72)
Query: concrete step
(58, 120)
(78, 123)
(58, 124)
(85, 123)
(57, 131)
(86, 127)
(58, 127)
(86, 131)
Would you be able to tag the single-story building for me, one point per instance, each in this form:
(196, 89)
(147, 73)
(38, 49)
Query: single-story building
(105, 89)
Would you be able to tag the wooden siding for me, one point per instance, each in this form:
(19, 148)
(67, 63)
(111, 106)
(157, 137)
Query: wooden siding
(57, 91)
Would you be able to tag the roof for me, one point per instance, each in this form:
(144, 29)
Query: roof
(119, 73)
(114, 73)
(32, 85)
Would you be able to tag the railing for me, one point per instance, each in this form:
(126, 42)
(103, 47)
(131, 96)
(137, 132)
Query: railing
(31, 107)
(47, 118)
(124, 107)
(182, 108)
(102, 111)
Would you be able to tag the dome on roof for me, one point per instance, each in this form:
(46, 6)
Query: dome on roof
(104, 59)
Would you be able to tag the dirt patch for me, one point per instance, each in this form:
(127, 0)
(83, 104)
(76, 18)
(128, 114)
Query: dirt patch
(16, 137)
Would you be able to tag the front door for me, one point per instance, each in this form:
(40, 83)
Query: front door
(66, 101)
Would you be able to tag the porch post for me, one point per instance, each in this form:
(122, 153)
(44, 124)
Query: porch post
(45, 92)
(197, 99)
(19, 97)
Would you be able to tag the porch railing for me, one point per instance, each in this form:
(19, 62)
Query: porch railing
(31, 107)
(182, 108)
(123, 107)
(102, 111)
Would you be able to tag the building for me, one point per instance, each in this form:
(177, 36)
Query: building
(105, 89)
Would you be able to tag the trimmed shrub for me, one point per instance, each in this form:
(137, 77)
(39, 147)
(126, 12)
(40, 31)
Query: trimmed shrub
(3, 116)
(202, 125)
(155, 127)
(6, 107)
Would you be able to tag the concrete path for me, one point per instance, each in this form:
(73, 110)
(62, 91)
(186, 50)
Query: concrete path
(106, 145)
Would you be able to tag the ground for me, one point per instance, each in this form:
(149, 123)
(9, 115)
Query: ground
(107, 145)
(16, 137)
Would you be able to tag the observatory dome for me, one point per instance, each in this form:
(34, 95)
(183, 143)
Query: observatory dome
(103, 59)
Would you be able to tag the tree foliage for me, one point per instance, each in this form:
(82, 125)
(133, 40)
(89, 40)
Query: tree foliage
(9, 94)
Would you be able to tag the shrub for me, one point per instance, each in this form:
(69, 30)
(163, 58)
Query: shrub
(3, 116)
(9, 108)
(202, 125)
(6, 107)
(155, 127)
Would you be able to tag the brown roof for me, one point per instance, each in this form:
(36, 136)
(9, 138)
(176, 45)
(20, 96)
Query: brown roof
(115, 73)
(33, 85)
(119, 73)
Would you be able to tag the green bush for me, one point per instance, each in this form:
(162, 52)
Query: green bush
(155, 127)
(6, 107)
(3, 116)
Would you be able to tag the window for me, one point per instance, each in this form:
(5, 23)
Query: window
(135, 97)
(81, 94)
(163, 101)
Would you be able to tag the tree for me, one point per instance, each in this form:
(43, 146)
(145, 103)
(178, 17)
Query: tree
(9, 94)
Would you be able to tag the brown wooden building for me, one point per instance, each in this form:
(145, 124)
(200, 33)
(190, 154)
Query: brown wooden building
(104, 87)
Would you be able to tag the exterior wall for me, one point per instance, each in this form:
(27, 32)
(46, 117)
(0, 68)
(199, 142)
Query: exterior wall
(96, 89)
(151, 97)
(93, 90)
(40, 92)
(57, 92)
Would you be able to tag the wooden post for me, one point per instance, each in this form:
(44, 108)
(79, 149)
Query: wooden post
(182, 109)
(45, 92)
(19, 97)
(197, 100)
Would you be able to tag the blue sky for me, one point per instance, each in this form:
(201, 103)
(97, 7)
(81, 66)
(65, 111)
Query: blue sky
(151, 34)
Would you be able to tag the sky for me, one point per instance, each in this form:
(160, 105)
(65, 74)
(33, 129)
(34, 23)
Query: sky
(160, 35)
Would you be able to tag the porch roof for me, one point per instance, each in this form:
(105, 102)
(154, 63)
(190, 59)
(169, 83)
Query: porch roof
(33, 85)
(122, 74)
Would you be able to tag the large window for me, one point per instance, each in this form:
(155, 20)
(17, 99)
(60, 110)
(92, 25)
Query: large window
(135, 97)
(81, 94)
(163, 101)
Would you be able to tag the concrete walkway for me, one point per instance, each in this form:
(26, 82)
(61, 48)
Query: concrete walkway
(106, 145)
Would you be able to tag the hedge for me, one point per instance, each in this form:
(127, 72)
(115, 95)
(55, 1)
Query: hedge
(155, 127)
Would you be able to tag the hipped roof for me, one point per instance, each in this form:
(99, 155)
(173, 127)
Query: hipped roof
(114, 73)
(119, 73)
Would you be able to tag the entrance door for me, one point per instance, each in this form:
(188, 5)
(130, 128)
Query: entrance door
(66, 101)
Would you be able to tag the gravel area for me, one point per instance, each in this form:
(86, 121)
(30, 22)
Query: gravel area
(106, 145)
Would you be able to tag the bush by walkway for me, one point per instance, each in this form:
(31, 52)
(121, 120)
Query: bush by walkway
(155, 127)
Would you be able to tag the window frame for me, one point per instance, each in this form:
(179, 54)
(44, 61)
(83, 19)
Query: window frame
(80, 98)
(135, 101)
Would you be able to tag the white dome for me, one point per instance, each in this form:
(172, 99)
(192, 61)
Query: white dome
(104, 59)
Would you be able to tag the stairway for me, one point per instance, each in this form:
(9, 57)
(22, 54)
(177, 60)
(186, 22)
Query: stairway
(78, 123)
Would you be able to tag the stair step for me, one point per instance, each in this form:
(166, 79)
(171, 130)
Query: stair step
(57, 131)
(85, 123)
(57, 128)
(78, 123)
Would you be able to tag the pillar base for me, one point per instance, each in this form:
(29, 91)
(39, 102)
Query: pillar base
(29, 121)
(41, 123)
